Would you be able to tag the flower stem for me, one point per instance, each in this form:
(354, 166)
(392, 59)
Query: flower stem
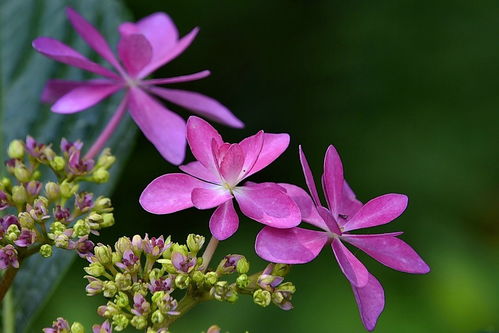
(8, 314)
(108, 130)
(7, 279)
(208, 253)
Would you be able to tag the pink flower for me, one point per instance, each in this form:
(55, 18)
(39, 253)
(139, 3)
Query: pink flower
(144, 46)
(106, 327)
(213, 181)
(345, 214)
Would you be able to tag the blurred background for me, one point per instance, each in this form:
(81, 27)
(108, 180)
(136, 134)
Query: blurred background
(408, 92)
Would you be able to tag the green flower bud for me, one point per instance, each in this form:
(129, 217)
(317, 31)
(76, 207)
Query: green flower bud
(110, 289)
(36, 175)
(95, 218)
(211, 278)
(22, 173)
(116, 257)
(167, 265)
(123, 281)
(95, 269)
(49, 153)
(61, 241)
(25, 220)
(242, 281)
(198, 277)
(139, 322)
(57, 163)
(103, 205)
(16, 149)
(53, 191)
(121, 299)
(180, 248)
(140, 288)
(242, 266)
(107, 220)
(77, 328)
(155, 274)
(219, 290)
(288, 287)
(195, 242)
(19, 195)
(46, 250)
(12, 232)
(94, 286)
(105, 159)
(120, 322)
(232, 296)
(123, 244)
(68, 189)
(262, 297)
(57, 228)
(81, 228)
(104, 254)
(182, 281)
(5, 183)
(157, 317)
(281, 269)
(100, 176)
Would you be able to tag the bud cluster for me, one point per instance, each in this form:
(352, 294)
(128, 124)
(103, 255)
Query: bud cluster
(43, 213)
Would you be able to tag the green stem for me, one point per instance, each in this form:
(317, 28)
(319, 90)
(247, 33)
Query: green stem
(208, 253)
(185, 305)
(8, 313)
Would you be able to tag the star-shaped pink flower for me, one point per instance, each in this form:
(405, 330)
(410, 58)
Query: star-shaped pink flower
(345, 214)
(214, 181)
(144, 46)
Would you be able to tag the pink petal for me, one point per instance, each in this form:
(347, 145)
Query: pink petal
(353, 269)
(135, 52)
(178, 79)
(198, 170)
(273, 146)
(200, 104)
(165, 129)
(169, 193)
(371, 301)
(268, 204)
(91, 36)
(329, 220)
(349, 204)
(84, 97)
(224, 221)
(378, 211)
(307, 207)
(212, 196)
(231, 164)
(390, 251)
(289, 246)
(309, 177)
(55, 89)
(200, 135)
(333, 180)
(252, 146)
(58, 51)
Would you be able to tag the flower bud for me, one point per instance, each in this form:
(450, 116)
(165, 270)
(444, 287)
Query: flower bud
(195, 242)
(77, 328)
(103, 254)
(61, 241)
(211, 278)
(22, 173)
(46, 250)
(180, 249)
(123, 244)
(123, 281)
(94, 286)
(100, 176)
(57, 163)
(167, 265)
(219, 290)
(107, 220)
(110, 289)
(139, 322)
(232, 296)
(25, 220)
(53, 191)
(16, 149)
(12, 232)
(19, 195)
(68, 189)
(198, 277)
(242, 266)
(105, 159)
(121, 299)
(281, 269)
(57, 228)
(120, 322)
(103, 205)
(242, 281)
(182, 281)
(116, 257)
(155, 274)
(157, 317)
(262, 297)
(33, 188)
(95, 269)
(81, 228)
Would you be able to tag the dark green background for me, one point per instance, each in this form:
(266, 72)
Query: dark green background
(408, 92)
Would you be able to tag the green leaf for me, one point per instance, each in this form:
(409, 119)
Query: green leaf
(23, 73)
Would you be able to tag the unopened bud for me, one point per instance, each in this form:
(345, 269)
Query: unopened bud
(106, 159)
(19, 195)
(61, 241)
(123, 281)
(242, 281)
(157, 317)
(57, 163)
(121, 299)
(103, 205)
(103, 254)
(211, 278)
(262, 297)
(95, 269)
(12, 232)
(180, 249)
(242, 266)
(53, 191)
(107, 220)
(16, 149)
(68, 189)
(77, 328)
(195, 242)
(57, 228)
(182, 281)
(22, 173)
(81, 228)
(46, 250)
(139, 322)
(281, 269)
(110, 289)
(120, 322)
(123, 244)
(198, 277)
(100, 176)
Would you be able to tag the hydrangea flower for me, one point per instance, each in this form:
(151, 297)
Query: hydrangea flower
(144, 46)
(345, 214)
(214, 181)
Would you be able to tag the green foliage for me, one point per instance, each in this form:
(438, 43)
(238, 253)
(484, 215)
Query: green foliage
(23, 74)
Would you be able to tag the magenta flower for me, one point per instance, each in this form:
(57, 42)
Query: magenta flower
(345, 214)
(106, 327)
(213, 181)
(144, 46)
